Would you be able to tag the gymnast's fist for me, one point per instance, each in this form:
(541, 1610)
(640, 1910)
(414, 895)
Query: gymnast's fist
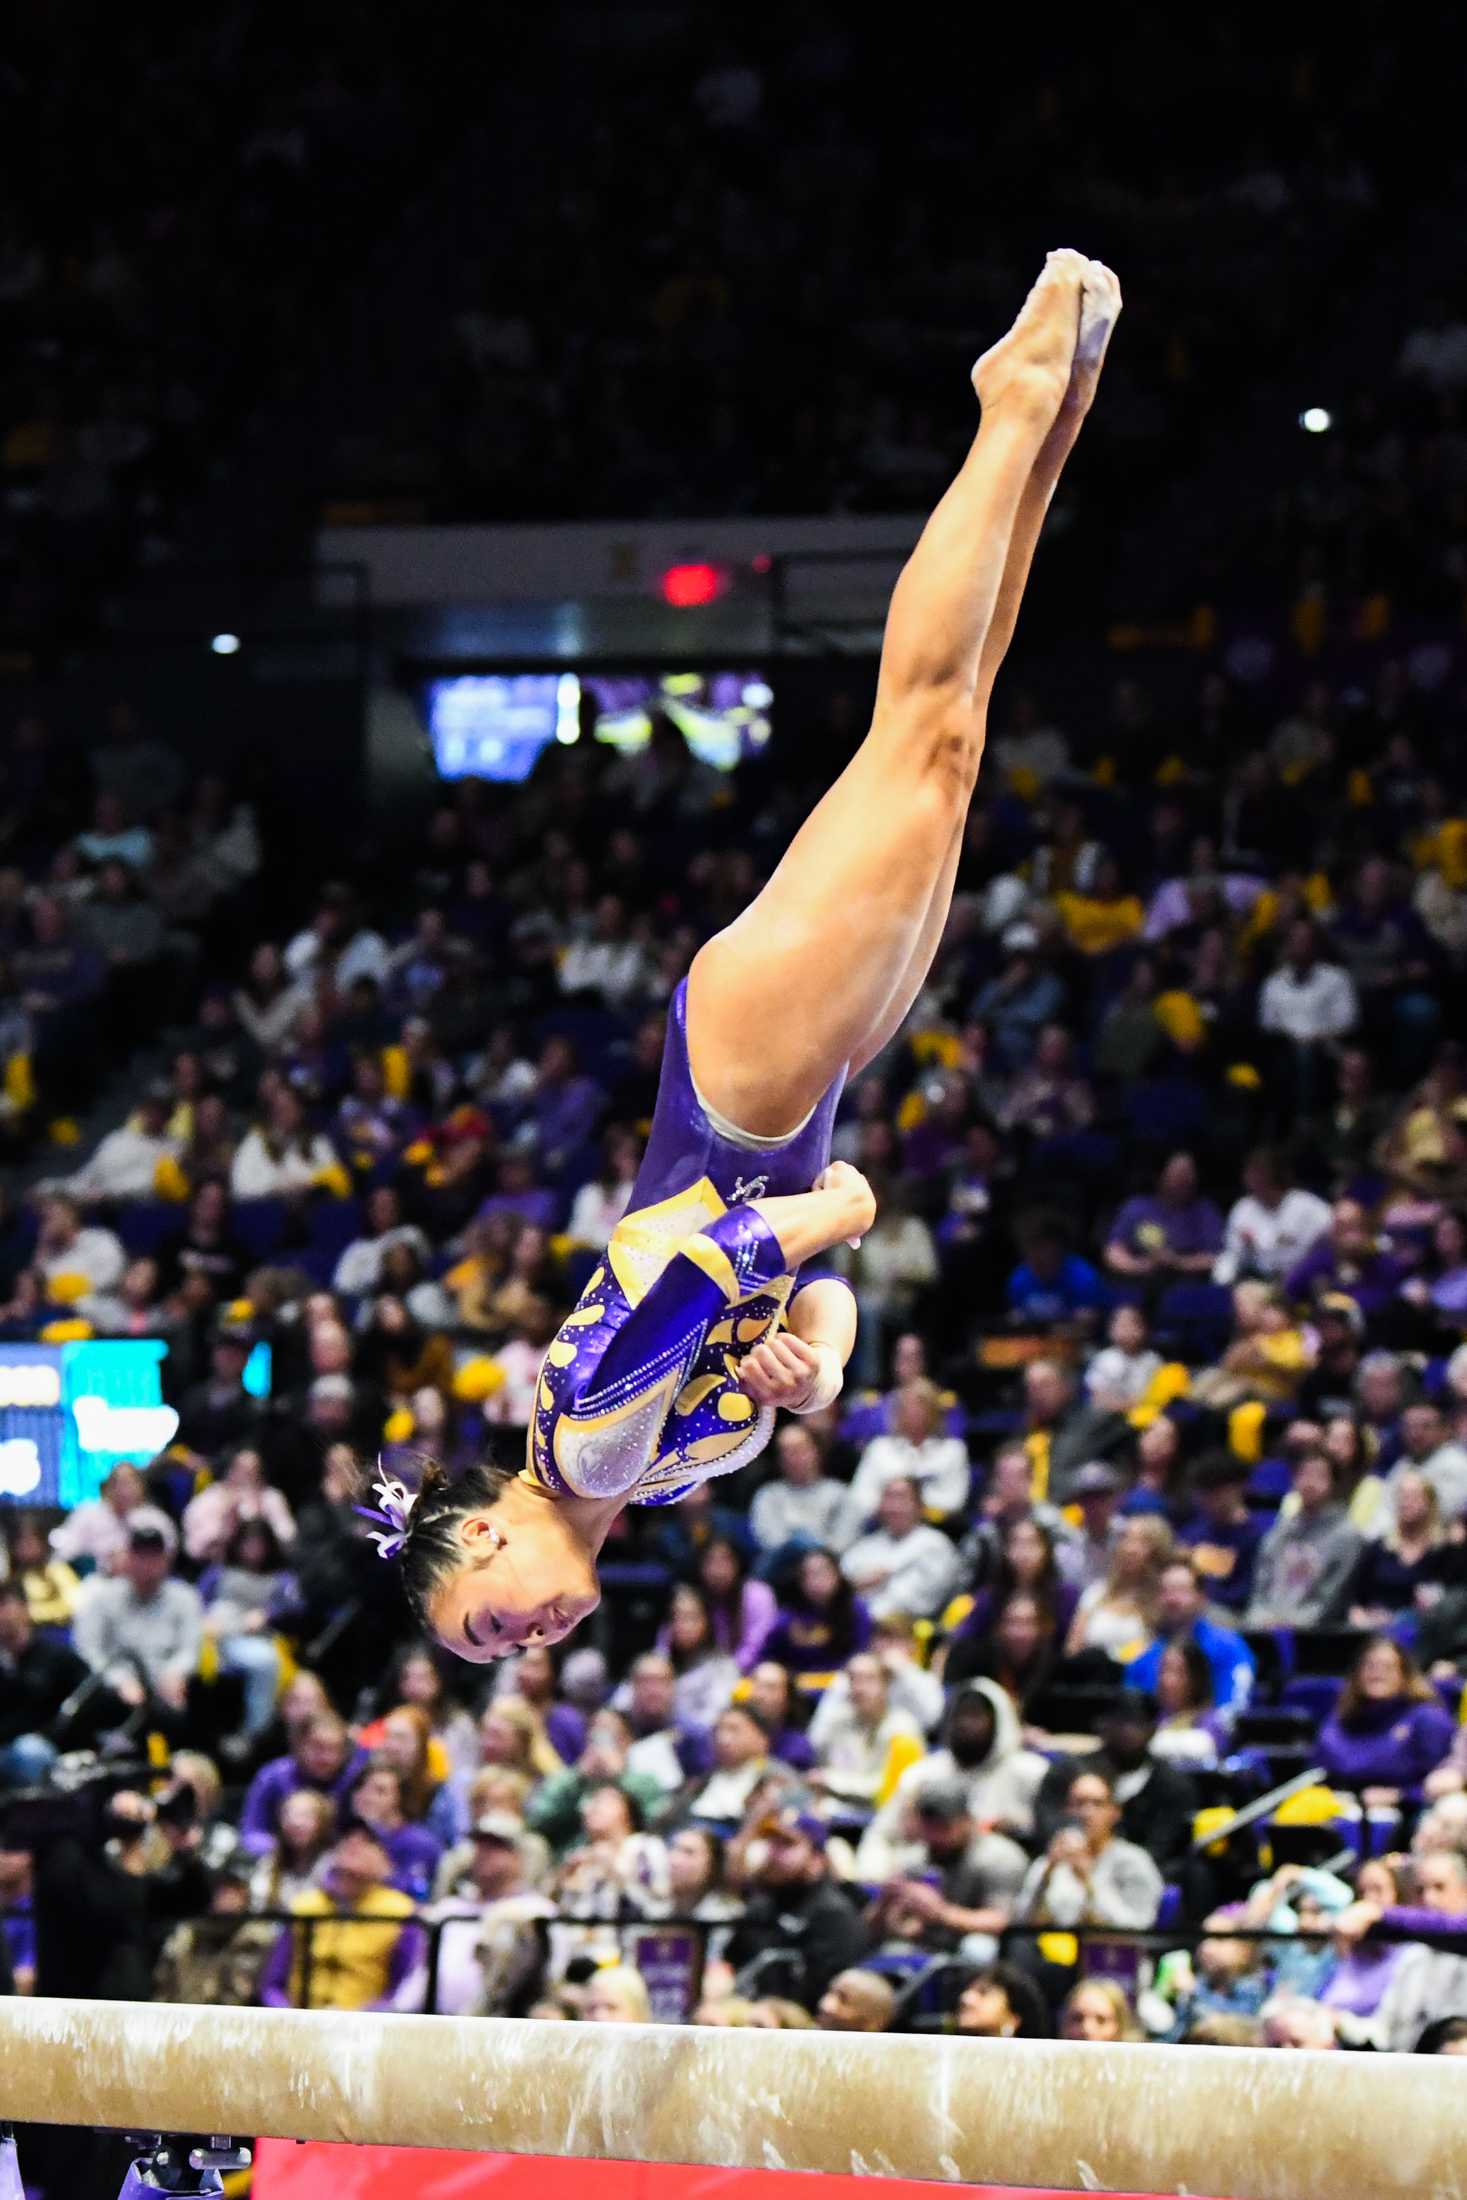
(783, 1371)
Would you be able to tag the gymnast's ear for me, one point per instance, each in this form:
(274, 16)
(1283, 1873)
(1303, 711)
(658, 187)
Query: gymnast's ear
(479, 1531)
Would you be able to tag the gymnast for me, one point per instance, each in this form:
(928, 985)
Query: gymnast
(711, 1309)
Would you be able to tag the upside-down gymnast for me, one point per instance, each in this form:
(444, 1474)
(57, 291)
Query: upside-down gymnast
(710, 1308)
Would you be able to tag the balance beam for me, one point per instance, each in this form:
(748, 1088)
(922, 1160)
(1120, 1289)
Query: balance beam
(1233, 2123)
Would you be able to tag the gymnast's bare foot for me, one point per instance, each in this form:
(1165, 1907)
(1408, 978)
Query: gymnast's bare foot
(1100, 307)
(1028, 372)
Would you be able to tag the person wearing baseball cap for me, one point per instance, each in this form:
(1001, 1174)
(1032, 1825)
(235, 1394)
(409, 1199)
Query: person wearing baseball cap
(1096, 1493)
(489, 1951)
(964, 1891)
(799, 1927)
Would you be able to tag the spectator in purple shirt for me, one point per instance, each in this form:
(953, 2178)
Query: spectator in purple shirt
(566, 1108)
(771, 1694)
(517, 1193)
(743, 1610)
(376, 1796)
(1171, 1232)
(323, 1758)
(1388, 1729)
(1348, 1260)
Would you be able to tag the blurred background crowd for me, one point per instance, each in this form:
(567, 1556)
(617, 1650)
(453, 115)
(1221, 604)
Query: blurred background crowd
(1146, 1499)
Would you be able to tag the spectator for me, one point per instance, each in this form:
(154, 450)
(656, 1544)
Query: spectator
(1053, 1288)
(742, 1609)
(75, 1260)
(902, 1566)
(617, 1995)
(489, 1953)
(982, 1746)
(1272, 1226)
(856, 2000)
(1446, 2036)
(1183, 1615)
(1290, 2021)
(1388, 1730)
(797, 1926)
(918, 1451)
(39, 1676)
(1098, 2011)
(304, 1833)
(706, 1675)
(1001, 2002)
(243, 1594)
(1175, 1232)
(96, 1532)
(142, 1630)
(1223, 1535)
(896, 1263)
(1347, 1262)
(126, 1163)
(1087, 1874)
(221, 1508)
(281, 1157)
(321, 1758)
(1431, 1451)
(1008, 1498)
(741, 1754)
(216, 1959)
(600, 1204)
(1190, 1730)
(555, 1806)
(1118, 1615)
(614, 1866)
(409, 1744)
(359, 1270)
(962, 1893)
(1229, 1977)
(1411, 1561)
(329, 1960)
(862, 1741)
(1096, 1495)
(1307, 1560)
(220, 1414)
(770, 1691)
(1119, 1377)
(1308, 1005)
(804, 1507)
(513, 1732)
(50, 1587)
(1027, 1565)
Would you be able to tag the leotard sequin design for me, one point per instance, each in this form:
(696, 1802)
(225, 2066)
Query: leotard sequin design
(639, 1391)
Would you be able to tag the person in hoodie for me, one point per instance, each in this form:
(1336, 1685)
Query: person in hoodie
(1388, 1730)
(983, 1749)
(1308, 1558)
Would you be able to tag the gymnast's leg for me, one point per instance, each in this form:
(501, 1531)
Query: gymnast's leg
(783, 999)
(1100, 305)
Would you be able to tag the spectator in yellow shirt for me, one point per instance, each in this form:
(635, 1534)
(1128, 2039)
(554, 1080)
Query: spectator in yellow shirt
(1105, 918)
(360, 1944)
(1267, 1359)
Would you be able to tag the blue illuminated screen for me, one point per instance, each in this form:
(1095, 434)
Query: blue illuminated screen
(495, 725)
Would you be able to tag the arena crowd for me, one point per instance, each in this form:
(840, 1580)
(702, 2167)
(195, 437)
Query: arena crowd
(1146, 1490)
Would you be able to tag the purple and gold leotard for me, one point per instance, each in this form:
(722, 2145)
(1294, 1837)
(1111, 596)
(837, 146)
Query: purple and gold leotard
(639, 1391)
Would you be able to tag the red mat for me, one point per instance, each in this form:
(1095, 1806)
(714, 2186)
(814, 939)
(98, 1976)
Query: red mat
(287, 2170)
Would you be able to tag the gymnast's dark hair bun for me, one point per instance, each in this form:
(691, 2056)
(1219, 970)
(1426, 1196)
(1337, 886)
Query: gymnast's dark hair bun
(433, 1550)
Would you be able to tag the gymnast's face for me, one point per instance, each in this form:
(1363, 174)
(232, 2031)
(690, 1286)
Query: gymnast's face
(521, 1583)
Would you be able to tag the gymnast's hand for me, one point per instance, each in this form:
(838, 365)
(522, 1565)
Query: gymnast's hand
(782, 1371)
(861, 1200)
